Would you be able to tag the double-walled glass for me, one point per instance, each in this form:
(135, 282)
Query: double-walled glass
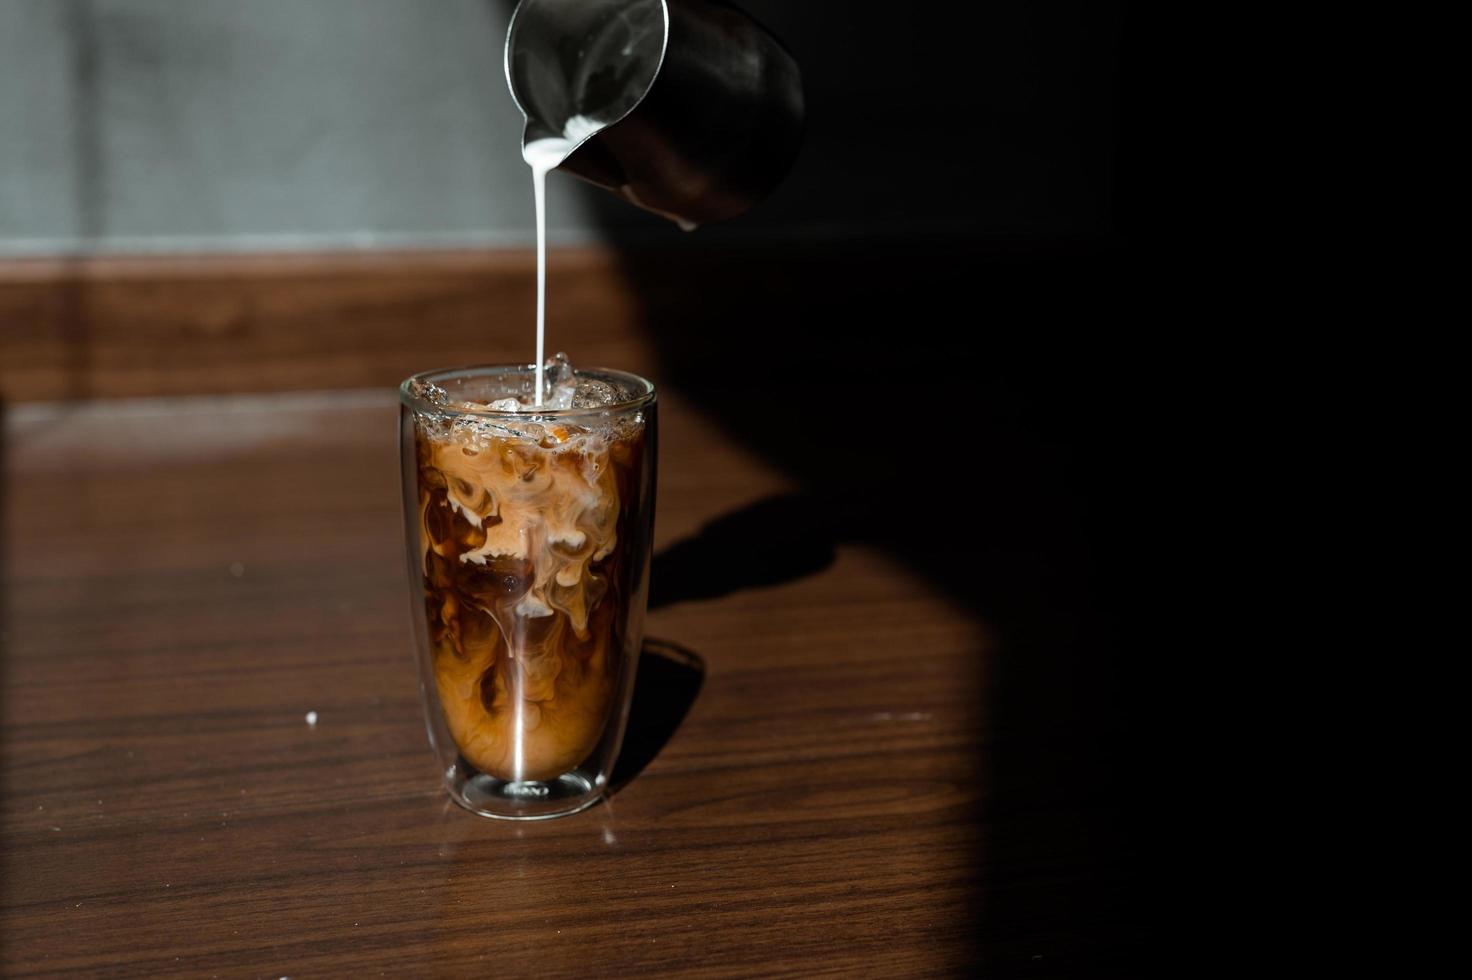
(528, 537)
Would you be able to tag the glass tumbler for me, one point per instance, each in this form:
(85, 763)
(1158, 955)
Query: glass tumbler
(528, 536)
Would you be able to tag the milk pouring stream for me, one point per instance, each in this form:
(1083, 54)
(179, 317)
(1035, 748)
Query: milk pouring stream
(544, 155)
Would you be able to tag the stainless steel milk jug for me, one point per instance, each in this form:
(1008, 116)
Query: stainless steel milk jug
(695, 110)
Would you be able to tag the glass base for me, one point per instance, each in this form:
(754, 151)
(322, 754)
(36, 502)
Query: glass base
(527, 799)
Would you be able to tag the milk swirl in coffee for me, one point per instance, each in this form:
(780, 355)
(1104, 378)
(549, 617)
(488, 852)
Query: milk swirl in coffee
(529, 531)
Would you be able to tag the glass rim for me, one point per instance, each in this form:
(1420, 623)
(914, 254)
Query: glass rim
(647, 393)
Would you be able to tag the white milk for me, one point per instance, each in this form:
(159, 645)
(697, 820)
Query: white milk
(544, 155)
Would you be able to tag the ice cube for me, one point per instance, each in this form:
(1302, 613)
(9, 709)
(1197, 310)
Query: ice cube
(592, 393)
(505, 405)
(561, 383)
(430, 392)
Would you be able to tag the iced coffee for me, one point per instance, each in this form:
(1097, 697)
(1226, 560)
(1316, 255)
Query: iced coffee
(529, 527)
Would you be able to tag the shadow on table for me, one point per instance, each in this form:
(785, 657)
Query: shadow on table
(775, 540)
(771, 542)
(669, 680)
(1000, 453)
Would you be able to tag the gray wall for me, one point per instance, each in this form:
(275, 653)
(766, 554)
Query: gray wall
(150, 123)
(240, 124)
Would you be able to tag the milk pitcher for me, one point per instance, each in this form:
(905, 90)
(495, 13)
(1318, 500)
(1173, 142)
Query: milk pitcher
(687, 108)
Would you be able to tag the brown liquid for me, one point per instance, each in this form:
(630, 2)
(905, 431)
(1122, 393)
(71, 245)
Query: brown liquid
(524, 554)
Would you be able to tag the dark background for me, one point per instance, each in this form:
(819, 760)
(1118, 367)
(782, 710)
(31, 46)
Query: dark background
(948, 338)
(998, 121)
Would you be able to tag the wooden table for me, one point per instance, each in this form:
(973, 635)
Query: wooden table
(816, 782)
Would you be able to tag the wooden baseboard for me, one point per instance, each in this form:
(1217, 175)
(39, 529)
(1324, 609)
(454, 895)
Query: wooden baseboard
(79, 328)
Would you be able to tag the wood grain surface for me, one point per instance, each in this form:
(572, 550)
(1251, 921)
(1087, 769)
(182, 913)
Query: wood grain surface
(876, 730)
